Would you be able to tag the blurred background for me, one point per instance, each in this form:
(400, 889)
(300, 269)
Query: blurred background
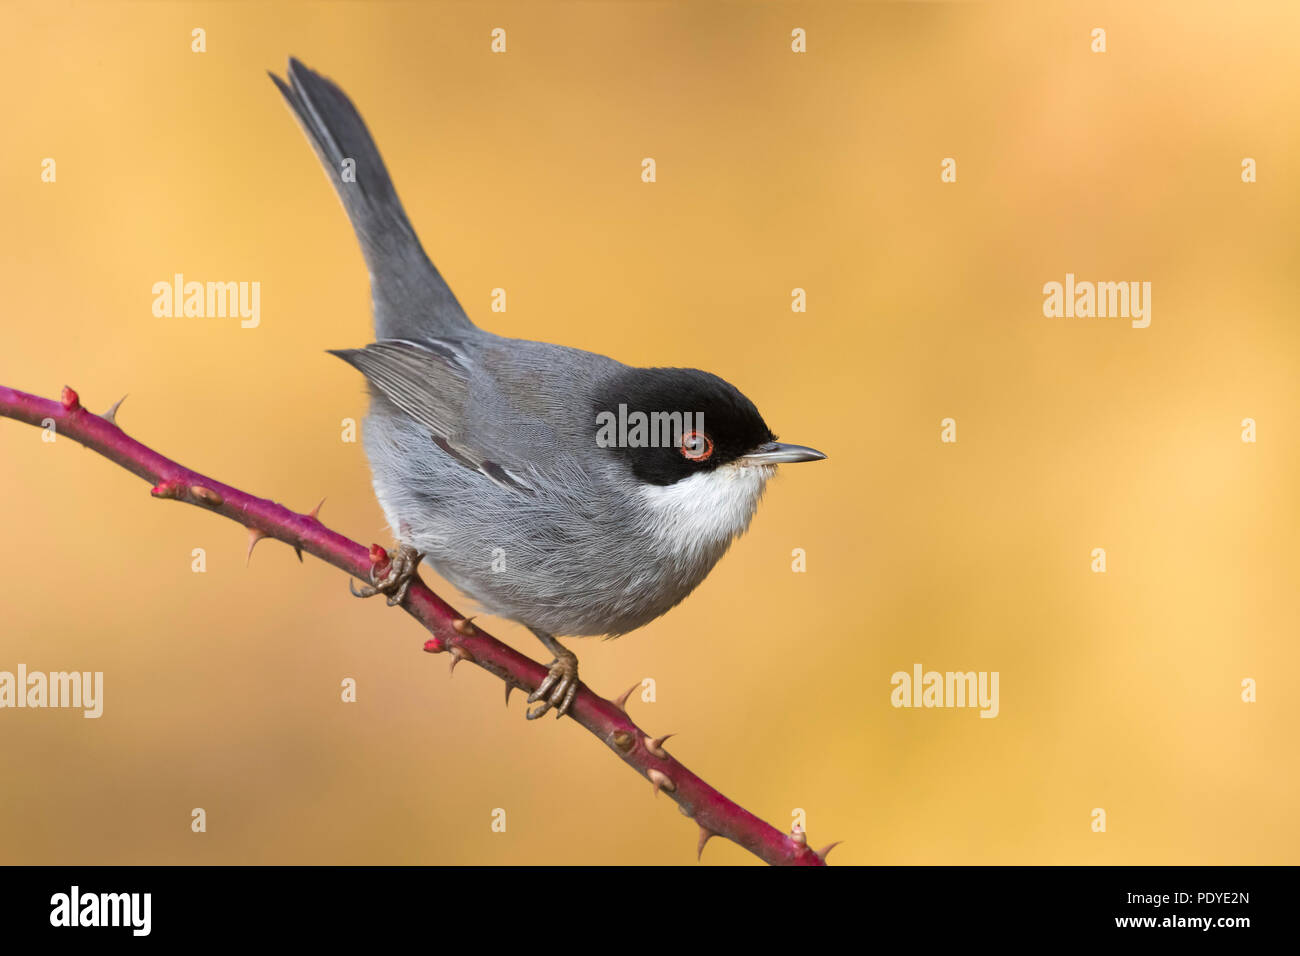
(775, 171)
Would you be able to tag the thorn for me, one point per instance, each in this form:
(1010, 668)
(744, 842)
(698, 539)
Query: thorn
(705, 836)
(459, 654)
(111, 414)
(822, 853)
(621, 701)
(254, 535)
(171, 488)
(798, 836)
(71, 401)
(661, 780)
(623, 740)
(297, 549)
(464, 625)
(378, 560)
(656, 746)
(434, 646)
(314, 514)
(206, 495)
(509, 687)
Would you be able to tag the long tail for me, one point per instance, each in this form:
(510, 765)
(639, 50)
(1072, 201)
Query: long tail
(411, 299)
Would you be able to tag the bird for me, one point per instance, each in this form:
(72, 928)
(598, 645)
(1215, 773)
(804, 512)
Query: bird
(557, 488)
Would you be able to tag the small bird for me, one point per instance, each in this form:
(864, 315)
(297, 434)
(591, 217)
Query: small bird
(499, 461)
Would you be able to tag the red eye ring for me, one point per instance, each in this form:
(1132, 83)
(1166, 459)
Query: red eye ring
(696, 446)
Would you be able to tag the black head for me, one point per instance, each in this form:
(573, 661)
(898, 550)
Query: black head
(654, 416)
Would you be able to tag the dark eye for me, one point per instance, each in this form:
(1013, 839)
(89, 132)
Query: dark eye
(696, 446)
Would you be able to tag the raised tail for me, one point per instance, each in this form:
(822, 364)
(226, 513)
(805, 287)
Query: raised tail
(411, 299)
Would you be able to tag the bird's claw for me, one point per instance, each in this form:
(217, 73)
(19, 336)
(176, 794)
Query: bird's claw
(396, 583)
(558, 689)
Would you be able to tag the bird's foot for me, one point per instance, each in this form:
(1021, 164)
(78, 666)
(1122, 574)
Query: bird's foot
(401, 571)
(559, 688)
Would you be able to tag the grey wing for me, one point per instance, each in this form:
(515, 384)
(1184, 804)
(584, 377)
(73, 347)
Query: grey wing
(431, 382)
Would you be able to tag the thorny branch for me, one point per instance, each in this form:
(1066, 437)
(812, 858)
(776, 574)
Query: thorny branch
(451, 633)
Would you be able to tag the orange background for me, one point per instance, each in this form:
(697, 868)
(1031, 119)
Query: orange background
(775, 171)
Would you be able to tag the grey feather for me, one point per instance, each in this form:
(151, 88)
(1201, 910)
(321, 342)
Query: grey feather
(427, 384)
(491, 470)
(411, 299)
(430, 383)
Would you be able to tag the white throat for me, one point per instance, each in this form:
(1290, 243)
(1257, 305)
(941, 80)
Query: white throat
(699, 516)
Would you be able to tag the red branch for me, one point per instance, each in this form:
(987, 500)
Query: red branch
(452, 633)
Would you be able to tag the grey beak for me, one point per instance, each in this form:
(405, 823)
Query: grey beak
(775, 452)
